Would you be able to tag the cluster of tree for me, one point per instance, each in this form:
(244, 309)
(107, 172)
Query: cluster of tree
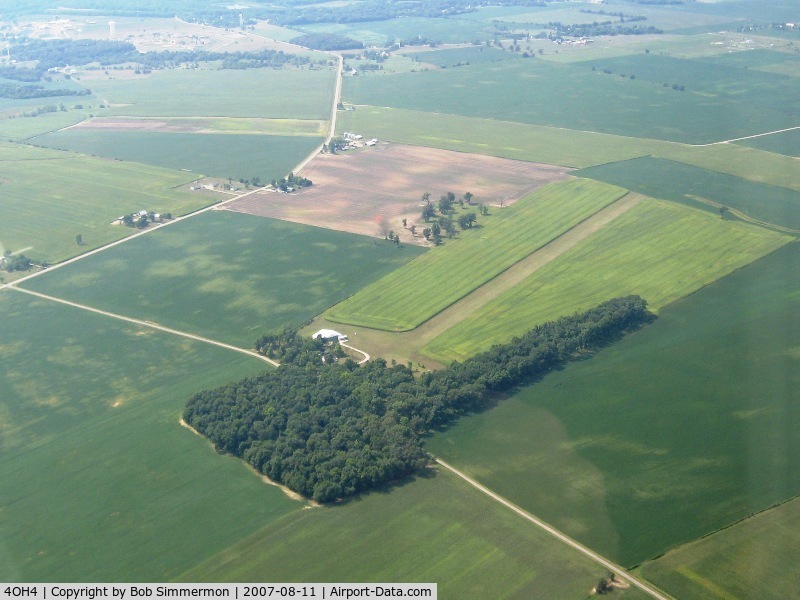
(287, 184)
(288, 346)
(595, 29)
(57, 53)
(15, 262)
(443, 220)
(60, 52)
(331, 429)
(141, 221)
(228, 60)
(326, 41)
(26, 92)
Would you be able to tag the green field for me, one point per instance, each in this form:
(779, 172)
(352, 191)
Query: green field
(573, 96)
(226, 275)
(677, 430)
(288, 93)
(100, 482)
(219, 155)
(787, 142)
(756, 558)
(553, 145)
(410, 296)
(676, 181)
(550, 145)
(50, 197)
(660, 251)
(22, 128)
(434, 529)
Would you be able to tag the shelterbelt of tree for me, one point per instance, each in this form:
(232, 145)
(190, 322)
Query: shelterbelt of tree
(329, 430)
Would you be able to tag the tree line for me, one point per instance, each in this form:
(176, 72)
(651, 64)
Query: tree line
(57, 53)
(329, 428)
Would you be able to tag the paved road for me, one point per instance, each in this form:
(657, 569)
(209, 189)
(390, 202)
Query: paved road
(616, 569)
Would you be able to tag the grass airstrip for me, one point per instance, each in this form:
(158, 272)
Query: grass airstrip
(660, 251)
(228, 276)
(447, 273)
(677, 430)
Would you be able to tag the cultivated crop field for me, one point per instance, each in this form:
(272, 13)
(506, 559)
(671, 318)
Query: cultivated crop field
(207, 125)
(370, 191)
(492, 137)
(787, 143)
(289, 93)
(408, 535)
(228, 276)
(576, 97)
(677, 430)
(409, 296)
(722, 565)
(50, 197)
(100, 482)
(659, 251)
(219, 155)
(675, 181)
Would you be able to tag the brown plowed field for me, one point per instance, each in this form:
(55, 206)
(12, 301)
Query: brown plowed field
(371, 190)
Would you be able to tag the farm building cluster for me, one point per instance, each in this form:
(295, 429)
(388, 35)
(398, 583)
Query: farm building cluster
(141, 219)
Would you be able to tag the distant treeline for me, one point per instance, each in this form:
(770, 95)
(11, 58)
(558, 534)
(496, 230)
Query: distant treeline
(280, 12)
(329, 429)
(26, 92)
(58, 53)
(327, 41)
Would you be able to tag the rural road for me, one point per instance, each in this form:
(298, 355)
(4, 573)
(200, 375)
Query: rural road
(616, 569)
(216, 206)
(747, 137)
(149, 324)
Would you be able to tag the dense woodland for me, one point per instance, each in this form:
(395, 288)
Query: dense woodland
(330, 429)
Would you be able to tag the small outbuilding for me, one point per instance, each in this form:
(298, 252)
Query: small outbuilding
(329, 334)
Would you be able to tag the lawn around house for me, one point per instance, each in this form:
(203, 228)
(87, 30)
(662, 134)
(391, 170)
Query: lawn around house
(411, 295)
(657, 250)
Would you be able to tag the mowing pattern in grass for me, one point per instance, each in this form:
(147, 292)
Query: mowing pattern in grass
(574, 96)
(756, 558)
(288, 93)
(675, 181)
(228, 276)
(435, 528)
(220, 155)
(410, 296)
(657, 250)
(50, 197)
(100, 482)
(679, 429)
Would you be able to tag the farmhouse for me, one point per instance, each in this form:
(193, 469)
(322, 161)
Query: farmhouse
(329, 334)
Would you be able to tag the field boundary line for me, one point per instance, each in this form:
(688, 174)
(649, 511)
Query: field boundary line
(613, 567)
(747, 137)
(149, 324)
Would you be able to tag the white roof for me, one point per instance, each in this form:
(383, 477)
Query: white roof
(327, 333)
